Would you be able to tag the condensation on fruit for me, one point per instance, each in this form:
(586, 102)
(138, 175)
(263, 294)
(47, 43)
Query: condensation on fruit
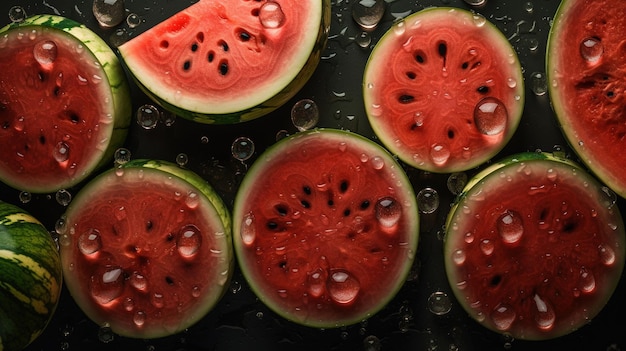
(45, 53)
(439, 154)
(189, 241)
(343, 287)
(544, 313)
(368, 13)
(90, 242)
(490, 116)
(591, 50)
(510, 226)
(388, 214)
(138, 281)
(248, 230)
(109, 13)
(107, 284)
(271, 15)
(503, 317)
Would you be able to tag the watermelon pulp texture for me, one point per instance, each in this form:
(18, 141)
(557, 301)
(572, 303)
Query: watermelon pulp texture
(230, 61)
(325, 228)
(586, 59)
(534, 247)
(64, 103)
(443, 89)
(147, 249)
(30, 284)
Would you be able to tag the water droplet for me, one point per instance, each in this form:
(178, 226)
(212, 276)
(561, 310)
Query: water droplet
(271, 15)
(157, 300)
(377, 162)
(372, 343)
(45, 53)
(529, 7)
(487, 246)
(105, 334)
(119, 37)
(439, 154)
(428, 200)
(182, 159)
(539, 83)
(17, 14)
(544, 314)
(129, 304)
(107, 284)
(458, 256)
(476, 3)
(510, 227)
(388, 212)
(109, 13)
(167, 118)
(368, 13)
(138, 281)
(479, 20)
(439, 303)
(490, 116)
(591, 49)
(89, 242)
(305, 114)
(139, 318)
(343, 287)
(503, 317)
(248, 231)
(363, 39)
(61, 152)
(399, 27)
(121, 156)
(196, 291)
(281, 134)
(609, 198)
(148, 116)
(587, 281)
(189, 240)
(63, 197)
(607, 255)
(242, 148)
(456, 182)
(204, 139)
(316, 283)
(25, 197)
(133, 20)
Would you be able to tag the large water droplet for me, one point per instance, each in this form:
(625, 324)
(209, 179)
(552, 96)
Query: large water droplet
(487, 246)
(189, 240)
(271, 15)
(388, 212)
(539, 83)
(587, 281)
(503, 317)
(148, 116)
(510, 227)
(544, 314)
(182, 159)
(63, 197)
(138, 281)
(122, 156)
(305, 114)
(343, 287)
(439, 303)
(591, 49)
(45, 53)
(17, 14)
(107, 284)
(90, 242)
(607, 255)
(316, 283)
(109, 13)
(248, 231)
(428, 200)
(368, 13)
(242, 148)
(61, 152)
(139, 318)
(490, 116)
(439, 154)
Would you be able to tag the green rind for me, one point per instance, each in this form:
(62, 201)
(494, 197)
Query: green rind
(267, 106)
(114, 76)
(31, 279)
(273, 153)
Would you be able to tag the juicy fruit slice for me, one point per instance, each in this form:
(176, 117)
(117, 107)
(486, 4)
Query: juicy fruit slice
(325, 228)
(146, 249)
(586, 61)
(30, 278)
(534, 247)
(443, 89)
(230, 61)
(64, 103)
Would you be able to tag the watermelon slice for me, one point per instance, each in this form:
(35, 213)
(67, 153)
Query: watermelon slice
(534, 248)
(586, 63)
(325, 245)
(230, 61)
(64, 103)
(146, 249)
(443, 89)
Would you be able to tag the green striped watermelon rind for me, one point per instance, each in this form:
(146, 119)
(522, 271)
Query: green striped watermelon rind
(31, 279)
(114, 76)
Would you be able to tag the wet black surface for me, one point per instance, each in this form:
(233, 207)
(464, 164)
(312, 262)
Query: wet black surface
(240, 321)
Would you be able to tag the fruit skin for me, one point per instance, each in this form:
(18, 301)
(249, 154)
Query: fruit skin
(115, 314)
(333, 252)
(31, 279)
(580, 306)
(204, 112)
(114, 76)
(587, 96)
(453, 127)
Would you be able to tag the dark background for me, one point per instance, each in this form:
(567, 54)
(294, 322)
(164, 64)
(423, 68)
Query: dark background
(240, 321)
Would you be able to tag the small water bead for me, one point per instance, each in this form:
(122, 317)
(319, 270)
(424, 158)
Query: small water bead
(63, 197)
(148, 116)
(539, 83)
(368, 13)
(242, 148)
(459, 257)
(607, 255)
(544, 313)
(428, 200)
(487, 246)
(479, 20)
(305, 114)
(182, 159)
(510, 227)
(107, 285)
(109, 13)
(439, 303)
(45, 52)
(456, 182)
(532, 44)
(122, 156)
(377, 162)
(490, 116)
(119, 37)
(139, 318)
(271, 15)
(503, 317)
(388, 212)
(90, 242)
(167, 118)
(343, 287)
(439, 154)
(248, 231)
(25, 197)
(363, 39)
(372, 343)
(196, 291)
(138, 281)
(476, 3)
(316, 283)
(133, 20)
(528, 6)
(591, 49)
(105, 334)
(204, 139)
(17, 14)
(586, 281)
(189, 241)
(61, 152)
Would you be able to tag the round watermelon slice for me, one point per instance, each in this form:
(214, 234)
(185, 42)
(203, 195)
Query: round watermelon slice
(325, 228)
(586, 63)
(146, 249)
(230, 61)
(443, 89)
(534, 247)
(64, 103)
